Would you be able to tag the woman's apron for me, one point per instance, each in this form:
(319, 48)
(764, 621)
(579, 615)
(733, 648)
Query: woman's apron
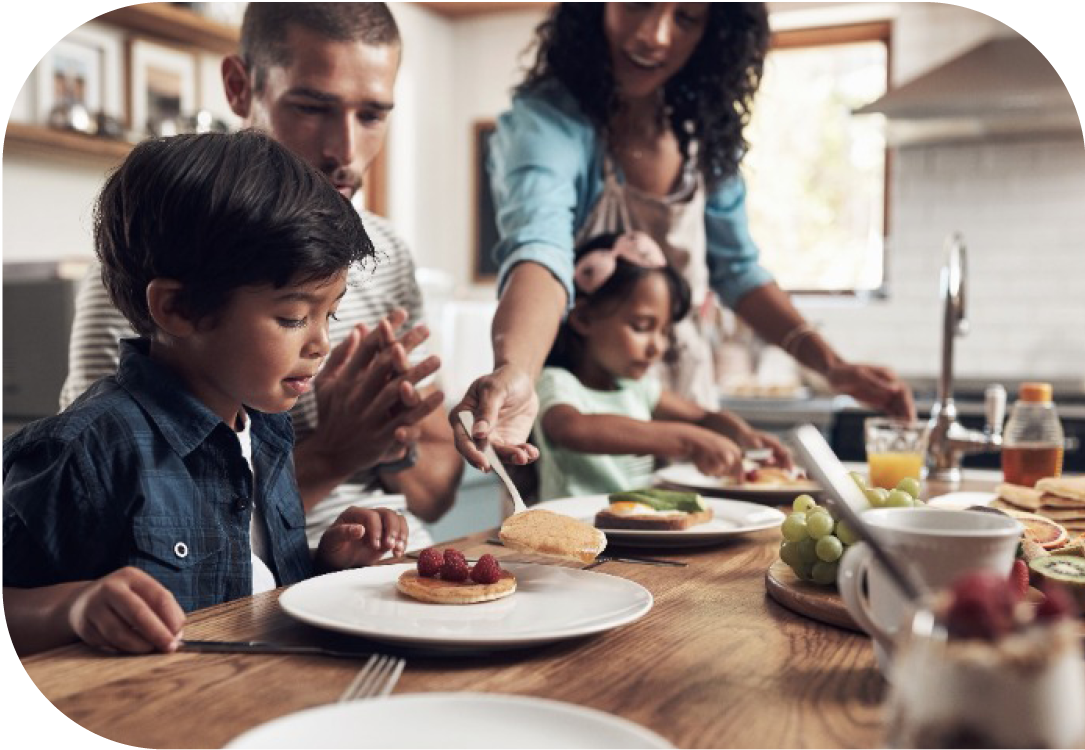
(677, 223)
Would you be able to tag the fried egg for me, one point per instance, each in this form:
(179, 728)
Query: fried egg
(630, 508)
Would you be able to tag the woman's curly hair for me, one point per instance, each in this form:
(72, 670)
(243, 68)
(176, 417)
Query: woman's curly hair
(713, 92)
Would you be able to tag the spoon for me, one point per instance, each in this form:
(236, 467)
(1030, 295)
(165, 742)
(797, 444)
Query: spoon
(467, 419)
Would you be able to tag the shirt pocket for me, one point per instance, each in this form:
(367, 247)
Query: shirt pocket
(188, 558)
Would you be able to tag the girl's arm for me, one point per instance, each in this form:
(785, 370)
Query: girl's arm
(671, 406)
(613, 434)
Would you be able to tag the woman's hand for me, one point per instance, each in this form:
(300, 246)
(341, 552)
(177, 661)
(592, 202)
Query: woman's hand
(504, 405)
(878, 386)
(127, 611)
(361, 536)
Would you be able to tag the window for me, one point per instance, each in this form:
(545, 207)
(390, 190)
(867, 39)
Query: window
(816, 174)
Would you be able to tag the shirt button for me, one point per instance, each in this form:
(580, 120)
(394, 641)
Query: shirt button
(241, 504)
(180, 549)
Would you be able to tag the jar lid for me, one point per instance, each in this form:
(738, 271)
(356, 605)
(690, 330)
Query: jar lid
(1035, 392)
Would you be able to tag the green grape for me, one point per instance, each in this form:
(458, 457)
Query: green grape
(824, 573)
(789, 553)
(909, 485)
(899, 499)
(876, 496)
(807, 551)
(805, 571)
(829, 548)
(858, 478)
(819, 525)
(804, 503)
(794, 527)
(845, 534)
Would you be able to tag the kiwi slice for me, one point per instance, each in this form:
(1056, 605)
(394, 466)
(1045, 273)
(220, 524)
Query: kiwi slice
(1067, 570)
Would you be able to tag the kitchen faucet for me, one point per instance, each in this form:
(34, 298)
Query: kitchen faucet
(947, 439)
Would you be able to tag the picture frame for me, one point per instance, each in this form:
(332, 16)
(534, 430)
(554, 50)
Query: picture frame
(163, 83)
(484, 266)
(84, 68)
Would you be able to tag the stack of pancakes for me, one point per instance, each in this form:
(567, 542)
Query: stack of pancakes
(1061, 499)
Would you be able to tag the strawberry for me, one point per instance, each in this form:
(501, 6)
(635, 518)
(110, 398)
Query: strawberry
(1019, 578)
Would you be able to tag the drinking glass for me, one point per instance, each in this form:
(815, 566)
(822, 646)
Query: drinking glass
(895, 449)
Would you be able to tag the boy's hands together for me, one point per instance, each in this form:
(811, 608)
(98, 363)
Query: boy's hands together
(361, 536)
(127, 611)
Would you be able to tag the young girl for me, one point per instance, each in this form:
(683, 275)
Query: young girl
(603, 418)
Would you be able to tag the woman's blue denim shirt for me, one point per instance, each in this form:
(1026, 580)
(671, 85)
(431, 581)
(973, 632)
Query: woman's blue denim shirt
(546, 172)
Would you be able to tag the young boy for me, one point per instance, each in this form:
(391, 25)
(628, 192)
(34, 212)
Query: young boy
(170, 486)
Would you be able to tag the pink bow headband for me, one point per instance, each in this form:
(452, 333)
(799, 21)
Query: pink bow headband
(593, 270)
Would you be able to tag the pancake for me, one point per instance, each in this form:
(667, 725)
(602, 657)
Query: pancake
(1068, 487)
(437, 591)
(543, 532)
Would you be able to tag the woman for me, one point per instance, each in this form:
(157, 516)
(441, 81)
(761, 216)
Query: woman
(632, 118)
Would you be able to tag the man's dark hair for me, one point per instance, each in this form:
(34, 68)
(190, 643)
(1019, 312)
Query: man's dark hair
(265, 26)
(217, 212)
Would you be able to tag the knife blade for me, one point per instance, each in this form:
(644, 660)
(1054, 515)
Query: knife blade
(607, 557)
(269, 647)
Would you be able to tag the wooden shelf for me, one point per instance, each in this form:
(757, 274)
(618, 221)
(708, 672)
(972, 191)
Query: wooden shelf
(42, 141)
(174, 24)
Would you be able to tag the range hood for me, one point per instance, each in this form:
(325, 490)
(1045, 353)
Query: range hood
(1003, 86)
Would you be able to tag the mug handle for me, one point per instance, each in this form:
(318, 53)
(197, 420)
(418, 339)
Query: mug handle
(849, 581)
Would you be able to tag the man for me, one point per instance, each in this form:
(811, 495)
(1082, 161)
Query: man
(319, 78)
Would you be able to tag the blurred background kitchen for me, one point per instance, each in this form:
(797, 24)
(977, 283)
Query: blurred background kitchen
(881, 129)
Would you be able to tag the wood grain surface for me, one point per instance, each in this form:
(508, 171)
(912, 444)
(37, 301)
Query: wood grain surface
(716, 663)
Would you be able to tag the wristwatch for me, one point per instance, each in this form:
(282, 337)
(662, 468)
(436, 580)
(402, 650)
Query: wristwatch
(409, 459)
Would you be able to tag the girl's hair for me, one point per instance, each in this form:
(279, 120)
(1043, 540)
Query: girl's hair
(218, 212)
(709, 100)
(568, 349)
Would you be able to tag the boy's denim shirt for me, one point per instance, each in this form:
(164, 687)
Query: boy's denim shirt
(139, 472)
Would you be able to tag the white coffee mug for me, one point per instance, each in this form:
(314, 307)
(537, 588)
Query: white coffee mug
(938, 545)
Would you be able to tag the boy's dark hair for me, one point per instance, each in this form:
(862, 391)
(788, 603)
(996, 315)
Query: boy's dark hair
(265, 26)
(217, 212)
(568, 348)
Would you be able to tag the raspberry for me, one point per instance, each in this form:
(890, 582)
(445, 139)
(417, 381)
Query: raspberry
(429, 562)
(982, 606)
(1019, 578)
(486, 570)
(752, 475)
(455, 566)
(1055, 605)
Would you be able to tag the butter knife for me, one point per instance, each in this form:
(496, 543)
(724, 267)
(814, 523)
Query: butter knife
(607, 557)
(467, 419)
(269, 647)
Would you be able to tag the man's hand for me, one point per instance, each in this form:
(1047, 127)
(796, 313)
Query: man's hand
(504, 405)
(361, 536)
(127, 611)
(369, 408)
(878, 386)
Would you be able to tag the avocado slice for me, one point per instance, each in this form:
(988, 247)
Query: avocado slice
(662, 500)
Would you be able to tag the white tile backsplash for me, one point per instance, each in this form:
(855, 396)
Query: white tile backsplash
(1020, 206)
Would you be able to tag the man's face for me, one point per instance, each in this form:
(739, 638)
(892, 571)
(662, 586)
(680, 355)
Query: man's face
(330, 105)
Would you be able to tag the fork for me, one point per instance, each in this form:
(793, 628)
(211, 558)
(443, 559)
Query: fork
(376, 679)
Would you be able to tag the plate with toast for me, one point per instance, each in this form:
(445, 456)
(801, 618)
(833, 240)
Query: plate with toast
(550, 603)
(666, 519)
(765, 484)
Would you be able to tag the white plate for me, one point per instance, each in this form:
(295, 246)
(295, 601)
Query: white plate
(729, 517)
(450, 720)
(687, 476)
(962, 499)
(551, 603)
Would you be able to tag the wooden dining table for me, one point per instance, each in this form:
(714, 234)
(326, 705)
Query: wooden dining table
(715, 663)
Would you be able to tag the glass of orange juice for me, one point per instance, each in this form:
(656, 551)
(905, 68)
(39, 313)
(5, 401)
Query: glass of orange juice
(895, 449)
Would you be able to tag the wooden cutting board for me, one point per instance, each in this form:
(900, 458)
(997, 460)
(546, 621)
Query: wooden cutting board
(821, 603)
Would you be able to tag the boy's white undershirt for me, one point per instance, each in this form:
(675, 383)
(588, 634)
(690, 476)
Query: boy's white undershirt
(262, 577)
